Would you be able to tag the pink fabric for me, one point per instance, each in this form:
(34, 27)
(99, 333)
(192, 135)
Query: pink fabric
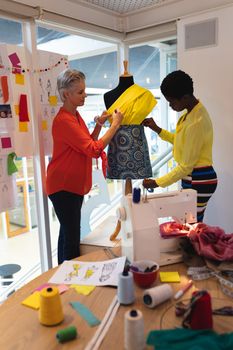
(173, 229)
(211, 242)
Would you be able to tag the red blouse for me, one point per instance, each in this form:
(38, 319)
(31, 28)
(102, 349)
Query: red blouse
(70, 168)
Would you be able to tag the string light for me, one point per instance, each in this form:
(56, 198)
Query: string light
(21, 70)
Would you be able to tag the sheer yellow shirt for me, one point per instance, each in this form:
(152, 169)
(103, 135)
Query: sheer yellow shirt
(192, 144)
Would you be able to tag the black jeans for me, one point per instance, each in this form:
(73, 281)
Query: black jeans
(67, 207)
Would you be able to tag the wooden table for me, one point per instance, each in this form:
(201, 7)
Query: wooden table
(20, 328)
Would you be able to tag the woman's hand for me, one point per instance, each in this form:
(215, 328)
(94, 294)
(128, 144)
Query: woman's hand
(103, 118)
(149, 183)
(117, 117)
(149, 122)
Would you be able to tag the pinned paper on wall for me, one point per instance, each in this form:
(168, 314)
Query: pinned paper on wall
(5, 89)
(53, 100)
(16, 107)
(6, 142)
(23, 126)
(8, 194)
(23, 108)
(15, 61)
(19, 79)
(5, 111)
(6, 120)
(3, 168)
(44, 125)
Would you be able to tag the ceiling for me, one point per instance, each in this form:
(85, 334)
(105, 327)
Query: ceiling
(124, 6)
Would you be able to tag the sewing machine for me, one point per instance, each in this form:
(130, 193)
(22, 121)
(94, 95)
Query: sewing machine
(140, 225)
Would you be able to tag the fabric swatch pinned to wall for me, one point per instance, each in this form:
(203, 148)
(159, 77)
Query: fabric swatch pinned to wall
(6, 142)
(5, 90)
(15, 61)
(23, 109)
(19, 79)
(23, 126)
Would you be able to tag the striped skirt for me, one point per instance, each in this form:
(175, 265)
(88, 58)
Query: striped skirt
(204, 181)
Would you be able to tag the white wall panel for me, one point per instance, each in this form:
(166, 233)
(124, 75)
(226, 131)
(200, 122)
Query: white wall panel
(212, 71)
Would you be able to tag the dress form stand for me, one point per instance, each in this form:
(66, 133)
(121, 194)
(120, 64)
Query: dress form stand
(125, 81)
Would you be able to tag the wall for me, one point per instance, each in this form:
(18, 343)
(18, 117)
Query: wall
(212, 71)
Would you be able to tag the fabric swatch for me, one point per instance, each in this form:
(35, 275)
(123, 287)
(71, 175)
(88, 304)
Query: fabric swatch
(85, 313)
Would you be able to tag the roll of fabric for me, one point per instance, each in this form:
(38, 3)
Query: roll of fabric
(50, 312)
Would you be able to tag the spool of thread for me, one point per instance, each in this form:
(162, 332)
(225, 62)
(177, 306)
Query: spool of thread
(134, 330)
(50, 312)
(157, 295)
(136, 195)
(125, 288)
(201, 314)
(66, 334)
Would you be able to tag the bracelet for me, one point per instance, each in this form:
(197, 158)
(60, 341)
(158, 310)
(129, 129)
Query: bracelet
(96, 119)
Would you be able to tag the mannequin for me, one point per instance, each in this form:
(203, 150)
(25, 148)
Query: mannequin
(128, 154)
(125, 81)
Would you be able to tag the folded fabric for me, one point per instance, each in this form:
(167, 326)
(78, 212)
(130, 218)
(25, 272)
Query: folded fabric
(183, 339)
(211, 242)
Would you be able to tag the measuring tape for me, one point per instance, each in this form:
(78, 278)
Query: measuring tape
(203, 272)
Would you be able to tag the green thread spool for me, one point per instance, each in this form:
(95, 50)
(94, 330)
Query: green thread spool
(66, 334)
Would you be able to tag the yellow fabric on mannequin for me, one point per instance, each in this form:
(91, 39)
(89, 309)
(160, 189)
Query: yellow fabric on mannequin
(135, 104)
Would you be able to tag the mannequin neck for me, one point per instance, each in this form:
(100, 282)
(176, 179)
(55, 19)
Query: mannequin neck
(124, 83)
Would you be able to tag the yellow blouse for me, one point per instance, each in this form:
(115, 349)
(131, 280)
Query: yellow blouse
(192, 144)
(135, 104)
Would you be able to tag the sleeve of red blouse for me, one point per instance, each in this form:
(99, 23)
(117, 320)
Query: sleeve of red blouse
(78, 137)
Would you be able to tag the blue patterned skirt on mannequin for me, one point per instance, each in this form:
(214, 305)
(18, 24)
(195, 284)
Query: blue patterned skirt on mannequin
(128, 154)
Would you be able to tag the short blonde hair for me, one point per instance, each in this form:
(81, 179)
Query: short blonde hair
(66, 79)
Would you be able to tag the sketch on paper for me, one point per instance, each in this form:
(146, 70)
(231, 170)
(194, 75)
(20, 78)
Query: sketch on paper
(98, 273)
(8, 194)
(107, 271)
(73, 273)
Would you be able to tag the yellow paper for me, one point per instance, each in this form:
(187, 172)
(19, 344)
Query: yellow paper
(23, 126)
(16, 109)
(44, 125)
(169, 276)
(53, 100)
(19, 79)
(85, 290)
(33, 301)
